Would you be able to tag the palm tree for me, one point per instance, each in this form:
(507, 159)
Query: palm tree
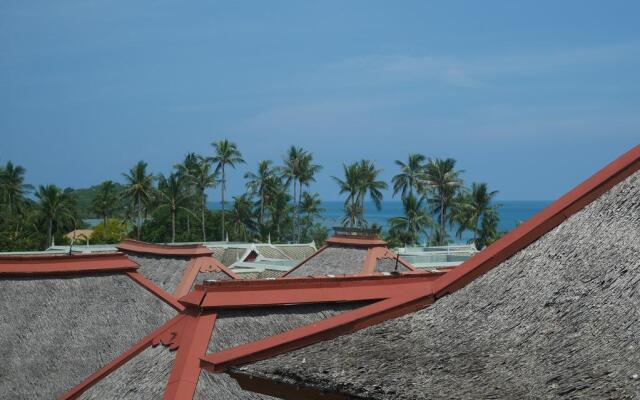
(351, 183)
(106, 201)
(310, 207)
(242, 218)
(279, 209)
(411, 175)
(308, 171)
(226, 153)
(263, 184)
(12, 186)
(174, 196)
(353, 215)
(416, 219)
(488, 232)
(198, 171)
(139, 190)
(370, 184)
(443, 181)
(56, 206)
(298, 170)
(479, 203)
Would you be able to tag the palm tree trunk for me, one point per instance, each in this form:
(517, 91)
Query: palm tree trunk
(261, 208)
(441, 223)
(49, 232)
(173, 226)
(202, 201)
(222, 203)
(139, 224)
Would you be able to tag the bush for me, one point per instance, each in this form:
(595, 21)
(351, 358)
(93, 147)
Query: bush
(113, 232)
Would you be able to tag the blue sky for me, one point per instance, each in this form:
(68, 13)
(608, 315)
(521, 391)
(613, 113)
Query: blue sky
(531, 98)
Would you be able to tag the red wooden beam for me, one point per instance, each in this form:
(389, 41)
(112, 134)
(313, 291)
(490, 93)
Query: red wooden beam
(65, 264)
(193, 345)
(197, 265)
(151, 287)
(136, 349)
(357, 291)
(304, 289)
(184, 250)
(547, 219)
(501, 250)
(329, 328)
(355, 241)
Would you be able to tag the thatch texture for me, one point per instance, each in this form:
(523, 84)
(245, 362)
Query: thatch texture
(166, 272)
(144, 377)
(54, 332)
(558, 319)
(297, 252)
(389, 265)
(236, 327)
(232, 255)
(271, 252)
(333, 261)
(217, 276)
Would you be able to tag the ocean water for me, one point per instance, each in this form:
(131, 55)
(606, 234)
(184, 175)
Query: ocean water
(511, 213)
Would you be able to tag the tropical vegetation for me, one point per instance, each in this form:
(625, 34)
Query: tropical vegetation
(278, 204)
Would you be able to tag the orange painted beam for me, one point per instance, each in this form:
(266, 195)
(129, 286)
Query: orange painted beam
(151, 287)
(185, 250)
(357, 291)
(193, 345)
(197, 265)
(541, 223)
(65, 264)
(329, 328)
(136, 349)
(498, 252)
(355, 241)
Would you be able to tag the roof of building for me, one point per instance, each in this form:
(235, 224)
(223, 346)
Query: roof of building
(176, 268)
(79, 234)
(350, 254)
(225, 321)
(62, 316)
(547, 311)
(231, 252)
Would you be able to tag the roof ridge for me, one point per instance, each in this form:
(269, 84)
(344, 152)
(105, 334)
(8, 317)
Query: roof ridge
(65, 264)
(137, 246)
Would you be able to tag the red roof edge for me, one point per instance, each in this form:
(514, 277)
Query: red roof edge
(65, 264)
(197, 265)
(541, 223)
(183, 250)
(504, 248)
(355, 241)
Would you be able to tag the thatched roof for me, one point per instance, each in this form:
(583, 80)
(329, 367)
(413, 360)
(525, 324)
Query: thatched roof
(350, 256)
(222, 317)
(164, 271)
(332, 261)
(176, 268)
(63, 317)
(556, 318)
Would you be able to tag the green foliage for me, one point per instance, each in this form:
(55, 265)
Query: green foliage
(277, 205)
(360, 179)
(86, 200)
(110, 233)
